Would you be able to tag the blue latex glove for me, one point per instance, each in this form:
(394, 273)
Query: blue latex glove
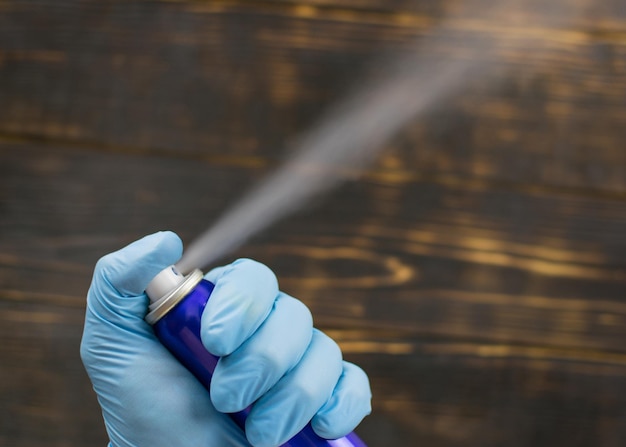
(271, 356)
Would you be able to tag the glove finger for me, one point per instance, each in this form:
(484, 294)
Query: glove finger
(277, 346)
(120, 278)
(216, 273)
(286, 408)
(242, 299)
(349, 404)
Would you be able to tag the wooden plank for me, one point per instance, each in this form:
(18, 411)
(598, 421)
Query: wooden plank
(439, 396)
(483, 315)
(592, 11)
(477, 272)
(435, 393)
(460, 262)
(243, 79)
(46, 396)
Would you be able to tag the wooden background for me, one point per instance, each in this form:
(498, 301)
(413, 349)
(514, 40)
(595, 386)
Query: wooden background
(477, 271)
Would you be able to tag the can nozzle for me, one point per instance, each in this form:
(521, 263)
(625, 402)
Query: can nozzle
(167, 288)
(162, 284)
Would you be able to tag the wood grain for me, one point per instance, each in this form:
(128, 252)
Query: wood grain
(141, 75)
(477, 271)
(476, 310)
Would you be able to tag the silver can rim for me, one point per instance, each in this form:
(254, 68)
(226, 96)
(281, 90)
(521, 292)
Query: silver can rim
(173, 298)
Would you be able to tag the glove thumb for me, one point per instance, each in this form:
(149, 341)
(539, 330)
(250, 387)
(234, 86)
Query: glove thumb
(120, 278)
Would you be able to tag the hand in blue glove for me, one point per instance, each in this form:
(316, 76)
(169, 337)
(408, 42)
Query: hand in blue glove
(271, 356)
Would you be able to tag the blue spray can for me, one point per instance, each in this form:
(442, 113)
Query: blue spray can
(175, 312)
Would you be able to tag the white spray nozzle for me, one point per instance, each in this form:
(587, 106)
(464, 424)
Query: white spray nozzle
(162, 284)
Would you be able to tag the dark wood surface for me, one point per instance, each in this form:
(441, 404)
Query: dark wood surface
(477, 271)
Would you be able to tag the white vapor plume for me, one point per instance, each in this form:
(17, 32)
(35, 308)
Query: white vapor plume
(347, 138)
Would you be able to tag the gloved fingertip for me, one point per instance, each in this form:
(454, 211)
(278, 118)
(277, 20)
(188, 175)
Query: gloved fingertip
(214, 274)
(260, 436)
(130, 269)
(349, 404)
(243, 297)
(225, 400)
